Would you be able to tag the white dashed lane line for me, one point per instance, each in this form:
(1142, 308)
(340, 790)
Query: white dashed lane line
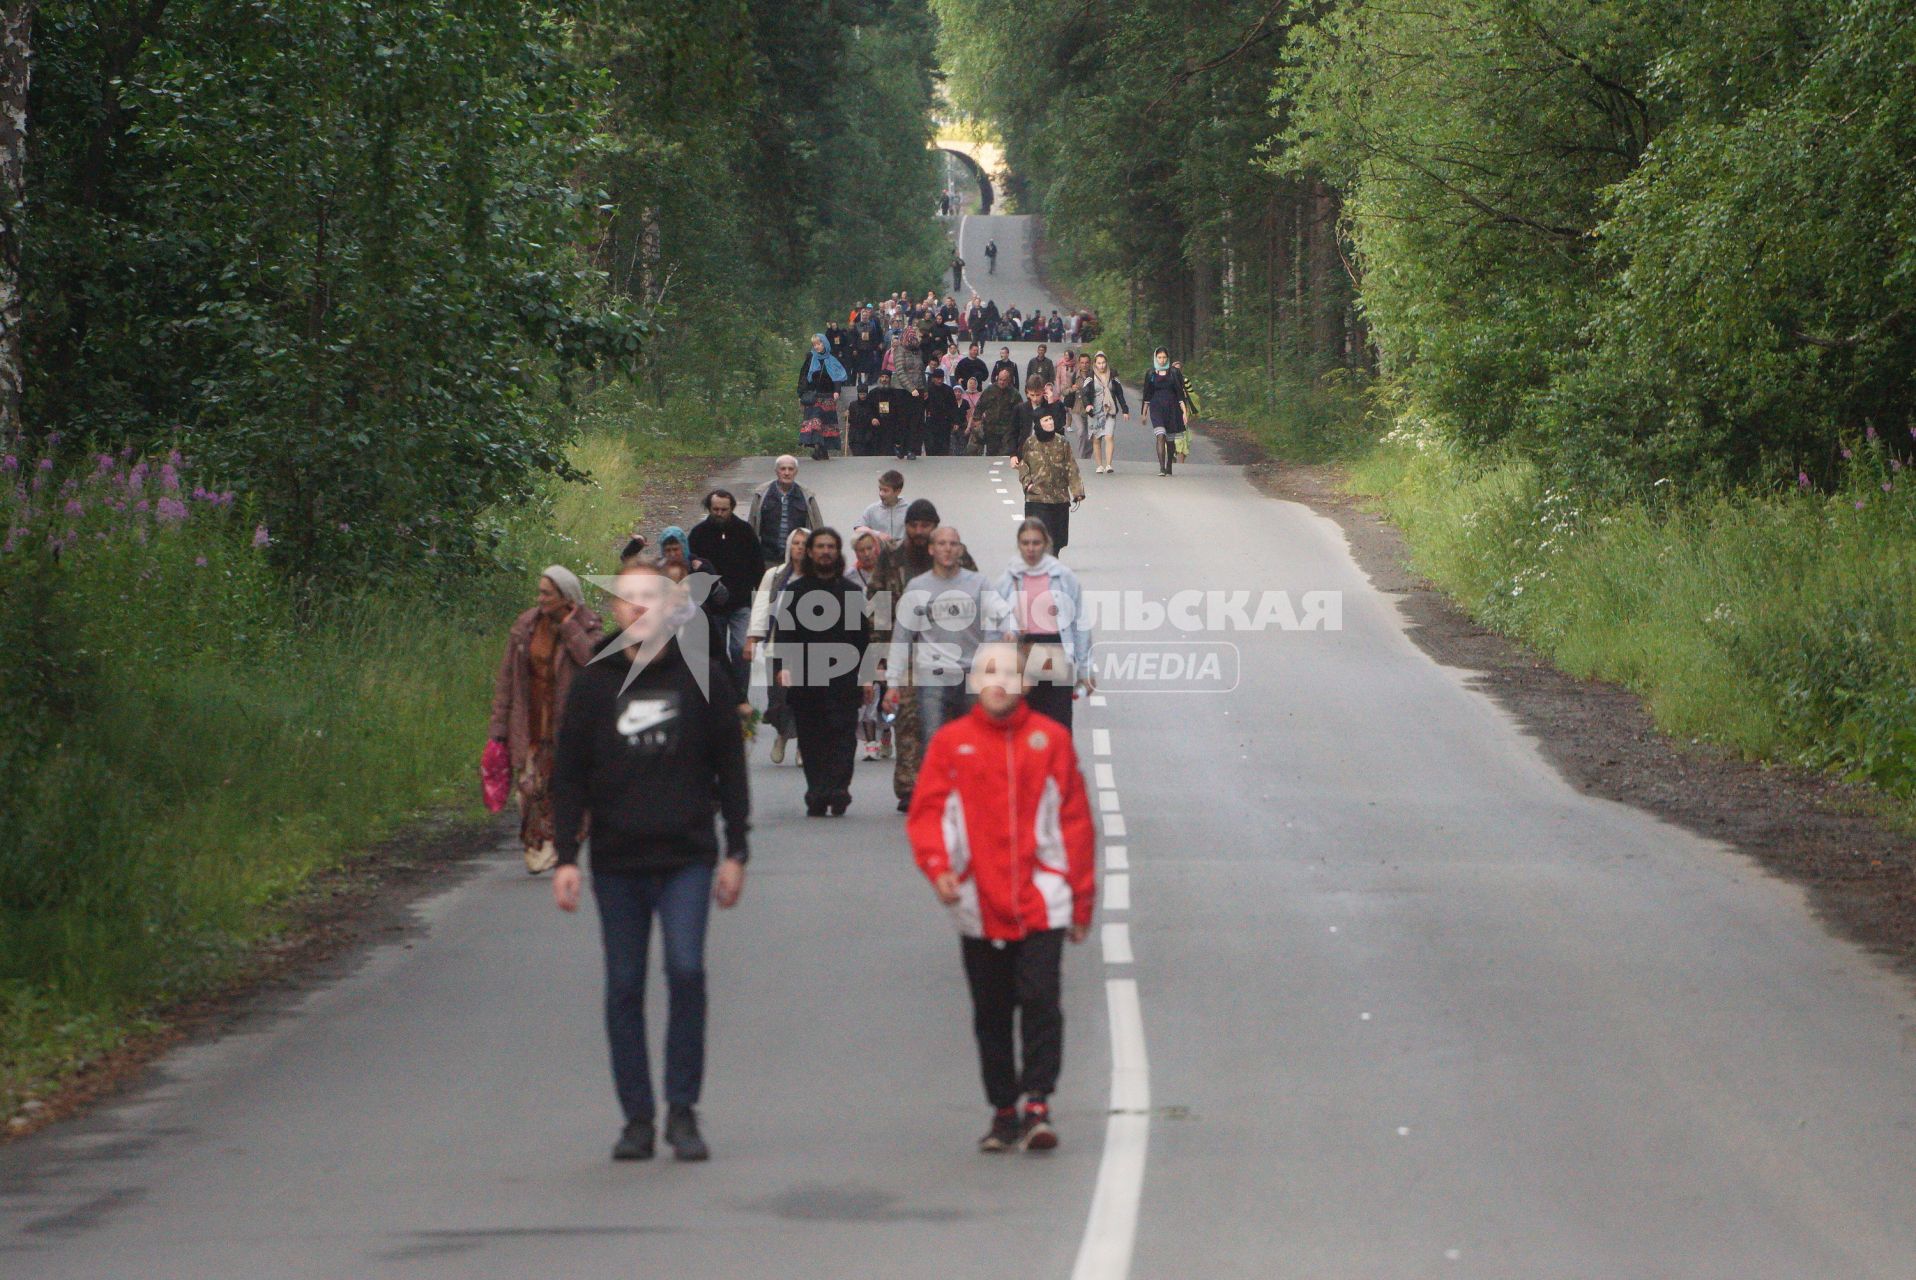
(1110, 1234)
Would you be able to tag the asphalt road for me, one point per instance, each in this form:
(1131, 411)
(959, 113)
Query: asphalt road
(1409, 1005)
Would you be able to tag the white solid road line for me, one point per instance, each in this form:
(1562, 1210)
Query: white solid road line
(1112, 1230)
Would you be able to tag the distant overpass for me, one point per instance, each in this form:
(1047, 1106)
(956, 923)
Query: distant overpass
(985, 158)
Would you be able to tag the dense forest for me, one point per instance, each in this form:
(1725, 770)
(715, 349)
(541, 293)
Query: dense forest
(325, 325)
(336, 253)
(1632, 241)
(1612, 307)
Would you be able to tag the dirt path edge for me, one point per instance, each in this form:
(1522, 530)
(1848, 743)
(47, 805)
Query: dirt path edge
(1836, 839)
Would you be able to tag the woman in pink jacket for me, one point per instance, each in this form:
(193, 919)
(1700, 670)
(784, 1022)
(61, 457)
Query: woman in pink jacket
(546, 647)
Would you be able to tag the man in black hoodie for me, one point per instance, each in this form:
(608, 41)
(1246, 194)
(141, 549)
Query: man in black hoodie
(648, 759)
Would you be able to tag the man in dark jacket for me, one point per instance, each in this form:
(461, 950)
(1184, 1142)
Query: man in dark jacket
(731, 547)
(1006, 365)
(649, 759)
(1040, 366)
(991, 320)
(780, 506)
(818, 635)
(941, 412)
(971, 366)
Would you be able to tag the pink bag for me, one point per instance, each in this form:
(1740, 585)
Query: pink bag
(495, 775)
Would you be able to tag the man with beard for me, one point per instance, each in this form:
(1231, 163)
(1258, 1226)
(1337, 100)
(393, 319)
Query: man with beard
(995, 415)
(868, 344)
(898, 564)
(889, 407)
(818, 636)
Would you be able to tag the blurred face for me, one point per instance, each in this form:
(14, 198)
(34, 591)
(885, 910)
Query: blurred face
(997, 677)
(946, 548)
(1004, 378)
(827, 559)
(672, 553)
(640, 604)
(866, 549)
(974, 348)
(918, 533)
(1101, 364)
(795, 548)
(1031, 546)
(1041, 348)
(887, 494)
(550, 598)
(722, 508)
(787, 470)
(1004, 353)
(817, 345)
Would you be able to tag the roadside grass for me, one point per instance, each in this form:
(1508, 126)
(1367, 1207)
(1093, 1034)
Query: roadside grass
(230, 743)
(1780, 625)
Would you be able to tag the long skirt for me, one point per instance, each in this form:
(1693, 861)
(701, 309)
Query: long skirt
(1056, 517)
(818, 425)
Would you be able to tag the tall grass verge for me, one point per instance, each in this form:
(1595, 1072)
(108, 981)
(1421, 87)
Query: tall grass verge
(189, 739)
(1781, 625)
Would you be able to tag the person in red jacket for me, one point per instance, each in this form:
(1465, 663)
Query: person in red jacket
(1000, 825)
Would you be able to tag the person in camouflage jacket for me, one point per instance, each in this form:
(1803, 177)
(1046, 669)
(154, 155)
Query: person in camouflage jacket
(992, 418)
(1048, 466)
(898, 564)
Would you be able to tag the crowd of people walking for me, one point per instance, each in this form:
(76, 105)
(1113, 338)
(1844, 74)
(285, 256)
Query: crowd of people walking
(908, 378)
(889, 644)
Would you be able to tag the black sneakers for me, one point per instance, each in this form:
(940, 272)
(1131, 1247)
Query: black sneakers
(1003, 1134)
(682, 1135)
(1037, 1133)
(635, 1143)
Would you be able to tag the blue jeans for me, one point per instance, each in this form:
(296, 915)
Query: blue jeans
(627, 902)
(939, 705)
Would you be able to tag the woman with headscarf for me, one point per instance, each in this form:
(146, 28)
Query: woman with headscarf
(759, 630)
(1101, 397)
(819, 379)
(1047, 464)
(545, 648)
(969, 435)
(1164, 398)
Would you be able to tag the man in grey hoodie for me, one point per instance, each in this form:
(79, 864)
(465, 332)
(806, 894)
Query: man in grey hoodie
(942, 617)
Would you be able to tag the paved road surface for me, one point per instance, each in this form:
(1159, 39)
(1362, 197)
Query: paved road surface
(1411, 1006)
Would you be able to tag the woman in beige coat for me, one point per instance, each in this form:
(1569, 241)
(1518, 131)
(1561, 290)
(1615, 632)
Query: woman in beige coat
(547, 645)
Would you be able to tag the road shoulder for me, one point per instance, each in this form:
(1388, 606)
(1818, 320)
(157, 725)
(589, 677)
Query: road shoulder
(1831, 837)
